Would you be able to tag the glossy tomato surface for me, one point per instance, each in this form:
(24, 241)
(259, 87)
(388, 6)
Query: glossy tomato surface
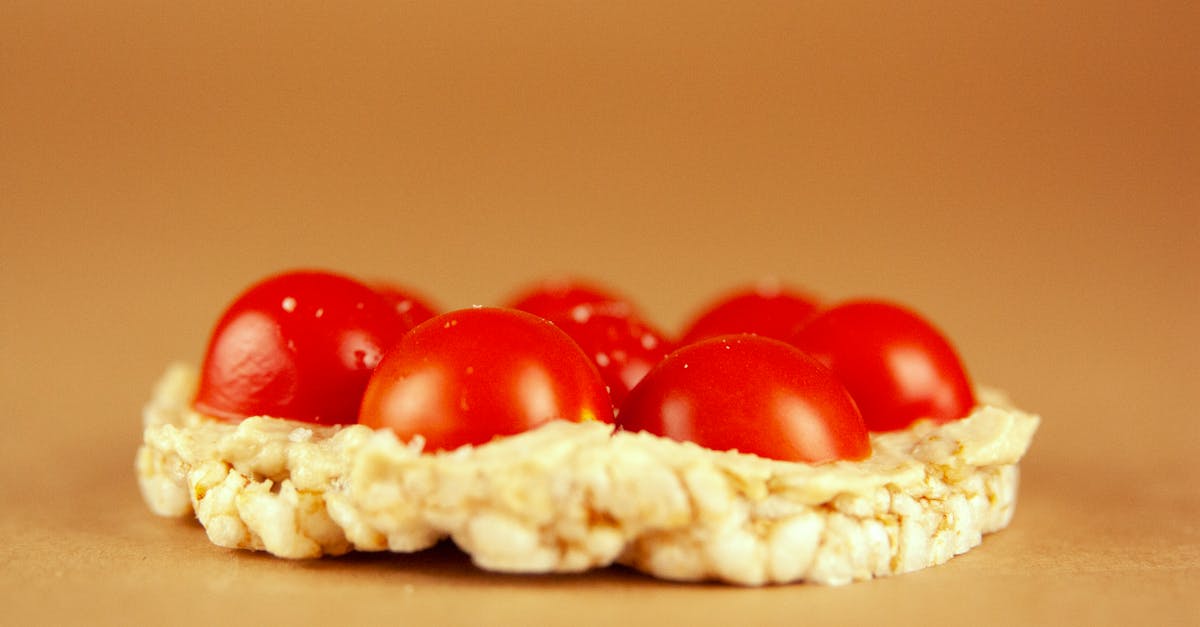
(752, 394)
(467, 376)
(623, 347)
(555, 298)
(897, 366)
(411, 308)
(767, 309)
(299, 345)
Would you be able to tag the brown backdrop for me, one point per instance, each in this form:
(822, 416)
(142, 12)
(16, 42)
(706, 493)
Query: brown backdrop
(1025, 175)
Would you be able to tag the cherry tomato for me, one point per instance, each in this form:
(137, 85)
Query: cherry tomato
(411, 308)
(765, 309)
(555, 298)
(469, 375)
(298, 345)
(749, 393)
(623, 348)
(897, 366)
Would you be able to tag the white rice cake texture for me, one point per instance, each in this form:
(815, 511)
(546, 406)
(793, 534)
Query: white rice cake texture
(568, 497)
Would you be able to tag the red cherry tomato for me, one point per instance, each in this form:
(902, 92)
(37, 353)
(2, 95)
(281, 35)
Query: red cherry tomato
(749, 393)
(299, 345)
(897, 366)
(766, 309)
(411, 308)
(555, 298)
(467, 376)
(623, 348)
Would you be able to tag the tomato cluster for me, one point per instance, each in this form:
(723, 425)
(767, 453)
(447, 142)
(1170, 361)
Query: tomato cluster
(767, 370)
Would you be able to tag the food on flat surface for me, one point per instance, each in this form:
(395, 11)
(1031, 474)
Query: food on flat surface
(797, 444)
(568, 497)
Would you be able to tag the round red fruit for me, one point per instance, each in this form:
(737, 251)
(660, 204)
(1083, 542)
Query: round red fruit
(897, 366)
(467, 376)
(767, 309)
(298, 345)
(555, 298)
(623, 348)
(409, 307)
(753, 394)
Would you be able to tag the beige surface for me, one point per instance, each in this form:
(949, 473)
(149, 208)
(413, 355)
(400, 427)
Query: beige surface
(1025, 176)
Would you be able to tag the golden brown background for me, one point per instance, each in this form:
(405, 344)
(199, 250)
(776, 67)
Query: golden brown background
(1026, 175)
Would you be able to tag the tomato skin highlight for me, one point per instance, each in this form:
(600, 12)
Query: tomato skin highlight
(554, 298)
(606, 325)
(898, 367)
(411, 308)
(766, 308)
(467, 376)
(623, 348)
(753, 394)
(297, 345)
